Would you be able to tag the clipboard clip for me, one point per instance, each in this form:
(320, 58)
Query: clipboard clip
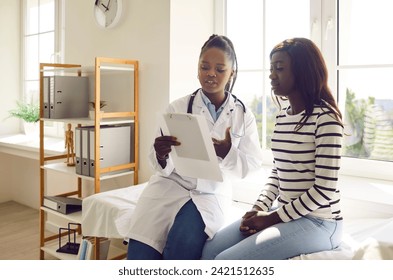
(171, 115)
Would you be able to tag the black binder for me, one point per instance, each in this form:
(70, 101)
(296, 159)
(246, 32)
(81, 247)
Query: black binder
(64, 205)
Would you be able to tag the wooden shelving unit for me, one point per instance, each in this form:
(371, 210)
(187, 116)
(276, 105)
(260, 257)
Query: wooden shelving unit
(53, 163)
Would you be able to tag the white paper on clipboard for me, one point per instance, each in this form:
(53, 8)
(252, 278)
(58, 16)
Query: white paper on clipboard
(195, 157)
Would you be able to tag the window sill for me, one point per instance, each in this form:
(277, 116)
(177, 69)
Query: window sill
(24, 146)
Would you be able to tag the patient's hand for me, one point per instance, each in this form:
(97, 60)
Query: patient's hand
(254, 221)
(222, 147)
(244, 226)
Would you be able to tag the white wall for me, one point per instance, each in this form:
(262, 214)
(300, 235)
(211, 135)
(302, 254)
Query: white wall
(191, 24)
(5, 179)
(9, 81)
(10, 63)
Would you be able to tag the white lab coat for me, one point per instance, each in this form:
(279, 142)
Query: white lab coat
(167, 191)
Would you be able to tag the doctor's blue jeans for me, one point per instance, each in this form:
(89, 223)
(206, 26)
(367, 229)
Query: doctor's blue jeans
(185, 240)
(279, 242)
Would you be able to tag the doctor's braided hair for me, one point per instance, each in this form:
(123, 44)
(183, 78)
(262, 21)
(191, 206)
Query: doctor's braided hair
(223, 43)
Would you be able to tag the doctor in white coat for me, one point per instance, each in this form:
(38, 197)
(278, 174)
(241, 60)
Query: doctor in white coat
(175, 215)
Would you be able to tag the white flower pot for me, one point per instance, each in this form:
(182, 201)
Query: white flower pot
(91, 114)
(31, 130)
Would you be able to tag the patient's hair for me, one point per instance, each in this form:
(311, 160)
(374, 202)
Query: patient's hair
(311, 75)
(223, 43)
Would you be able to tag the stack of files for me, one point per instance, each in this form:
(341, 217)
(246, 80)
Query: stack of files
(86, 249)
(116, 147)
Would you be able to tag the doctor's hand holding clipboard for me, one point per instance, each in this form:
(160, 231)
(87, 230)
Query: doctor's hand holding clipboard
(163, 146)
(195, 153)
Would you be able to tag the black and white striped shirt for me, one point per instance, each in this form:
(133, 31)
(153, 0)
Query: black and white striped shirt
(306, 163)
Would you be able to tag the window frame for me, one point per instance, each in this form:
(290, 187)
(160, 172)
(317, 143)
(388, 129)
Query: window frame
(57, 128)
(323, 14)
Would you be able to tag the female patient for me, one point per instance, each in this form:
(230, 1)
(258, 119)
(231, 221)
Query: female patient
(306, 145)
(176, 214)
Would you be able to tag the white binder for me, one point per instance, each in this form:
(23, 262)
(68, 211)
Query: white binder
(68, 96)
(116, 146)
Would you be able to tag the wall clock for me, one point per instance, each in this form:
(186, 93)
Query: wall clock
(107, 13)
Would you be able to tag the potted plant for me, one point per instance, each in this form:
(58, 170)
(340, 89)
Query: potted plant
(93, 106)
(29, 113)
(26, 111)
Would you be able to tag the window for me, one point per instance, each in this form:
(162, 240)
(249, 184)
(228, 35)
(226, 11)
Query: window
(253, 37)
(42, 43)
(357, 57)
(364, 69)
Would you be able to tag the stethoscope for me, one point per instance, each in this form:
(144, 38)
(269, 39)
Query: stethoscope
(237, 132)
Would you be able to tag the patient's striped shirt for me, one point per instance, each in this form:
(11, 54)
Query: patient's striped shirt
(306, 164)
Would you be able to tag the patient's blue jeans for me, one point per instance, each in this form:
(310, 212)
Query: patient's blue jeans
(281, 241)
(185, 239)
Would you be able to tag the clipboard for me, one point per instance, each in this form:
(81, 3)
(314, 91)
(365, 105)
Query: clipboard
(195, 157)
